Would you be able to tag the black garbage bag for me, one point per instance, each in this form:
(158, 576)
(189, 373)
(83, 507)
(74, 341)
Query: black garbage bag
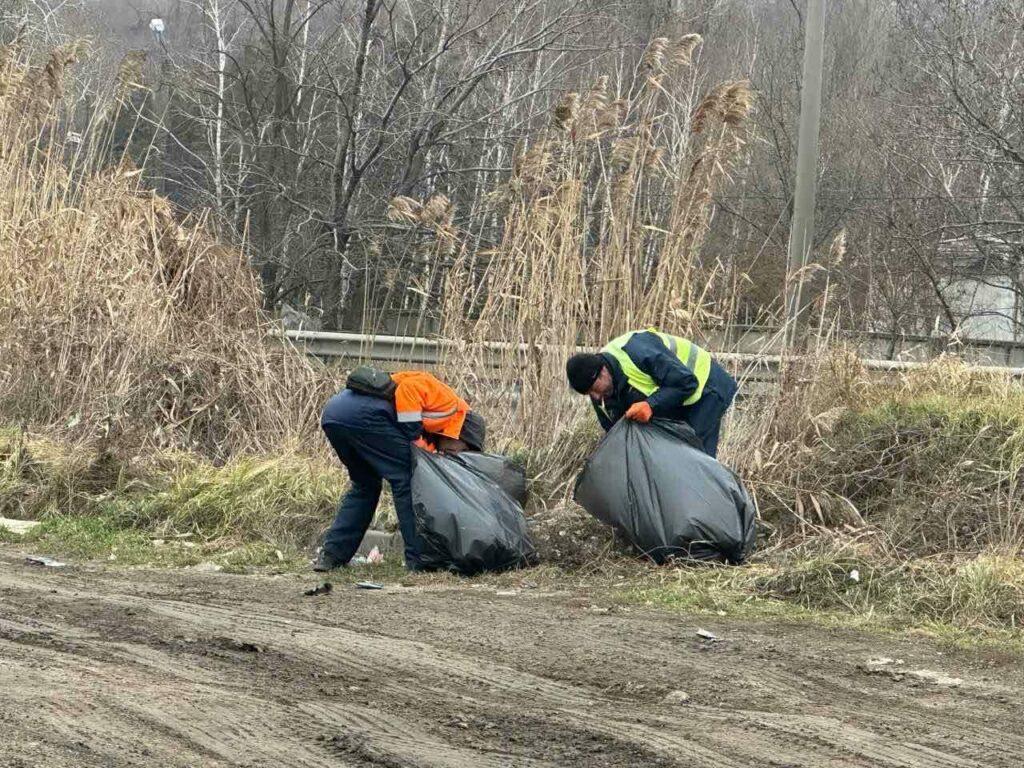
(668, 497)
(465, 522)
(508, 475)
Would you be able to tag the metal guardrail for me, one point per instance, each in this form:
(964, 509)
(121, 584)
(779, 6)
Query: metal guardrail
(422, 351)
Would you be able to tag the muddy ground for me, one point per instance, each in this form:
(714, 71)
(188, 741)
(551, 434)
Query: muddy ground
(102, 667)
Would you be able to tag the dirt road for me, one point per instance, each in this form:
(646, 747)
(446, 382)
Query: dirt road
(177, 668)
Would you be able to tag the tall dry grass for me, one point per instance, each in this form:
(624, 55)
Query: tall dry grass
(119, 316)
(605, 215)
(604, 222)
(122, 319)
(925, 462)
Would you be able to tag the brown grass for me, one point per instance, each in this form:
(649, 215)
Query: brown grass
(605, 216)
(119, 316)
(928, 462)
(123, 321)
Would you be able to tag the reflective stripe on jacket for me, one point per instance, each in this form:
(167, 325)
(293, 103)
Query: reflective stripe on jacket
(422, 397)
(696, 359)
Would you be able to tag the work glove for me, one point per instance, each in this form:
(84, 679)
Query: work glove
(420, 442)
(641, 412)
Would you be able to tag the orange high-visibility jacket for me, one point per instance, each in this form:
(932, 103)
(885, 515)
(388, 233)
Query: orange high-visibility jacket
(421, 397)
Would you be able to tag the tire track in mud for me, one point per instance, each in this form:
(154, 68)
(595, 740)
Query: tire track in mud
(793, 739)
(137, 672)
(410, 660)
(184, 721)
(406, 660)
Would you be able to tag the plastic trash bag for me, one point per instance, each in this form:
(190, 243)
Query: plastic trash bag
(501, 470)
(668, 497)
(464, 520)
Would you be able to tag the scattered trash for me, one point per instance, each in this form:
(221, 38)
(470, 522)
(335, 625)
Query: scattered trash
(506, 593)
(703, 634)
(18, 526)
(319, 589)
(369, 585)
(373, 557)
(280, 555)
(46, 562)
(855, 575)
(677, 697)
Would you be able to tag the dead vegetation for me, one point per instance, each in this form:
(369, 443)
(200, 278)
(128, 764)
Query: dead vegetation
(119, 317)
(929, 459)
(605, 214)
(129, 330)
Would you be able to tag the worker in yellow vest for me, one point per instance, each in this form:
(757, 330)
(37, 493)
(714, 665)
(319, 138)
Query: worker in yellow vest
(647, 374)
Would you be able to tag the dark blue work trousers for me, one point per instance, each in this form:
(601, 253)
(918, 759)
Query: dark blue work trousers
(705, 416)
(373, 446)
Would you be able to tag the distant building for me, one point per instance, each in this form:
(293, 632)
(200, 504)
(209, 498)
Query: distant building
(984, 286)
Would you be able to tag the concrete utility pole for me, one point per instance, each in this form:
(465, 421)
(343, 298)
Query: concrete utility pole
(801, 233)
(158, 161)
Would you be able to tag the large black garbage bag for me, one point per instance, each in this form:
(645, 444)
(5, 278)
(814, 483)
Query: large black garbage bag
(465, 522)
(669, 498)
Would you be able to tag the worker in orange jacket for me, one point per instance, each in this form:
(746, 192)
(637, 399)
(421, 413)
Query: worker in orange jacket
(372, 435)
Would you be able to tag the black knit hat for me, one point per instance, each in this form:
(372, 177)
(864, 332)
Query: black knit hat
(583, 370)
(474, 431)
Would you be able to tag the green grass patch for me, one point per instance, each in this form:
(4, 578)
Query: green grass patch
(964, 601)
(106, 539)
(281, 500)
(165, 509)
(89, 538)
(936, 473)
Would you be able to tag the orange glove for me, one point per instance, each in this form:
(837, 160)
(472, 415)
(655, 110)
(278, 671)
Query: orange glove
(419, 442)
(641, 412)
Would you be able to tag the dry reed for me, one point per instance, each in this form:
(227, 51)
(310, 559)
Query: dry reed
(118, 316)
(604, 220)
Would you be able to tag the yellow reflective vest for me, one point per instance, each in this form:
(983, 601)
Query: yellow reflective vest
(692, 356)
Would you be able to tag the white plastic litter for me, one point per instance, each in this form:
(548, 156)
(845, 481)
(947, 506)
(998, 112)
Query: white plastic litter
(46, 562)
